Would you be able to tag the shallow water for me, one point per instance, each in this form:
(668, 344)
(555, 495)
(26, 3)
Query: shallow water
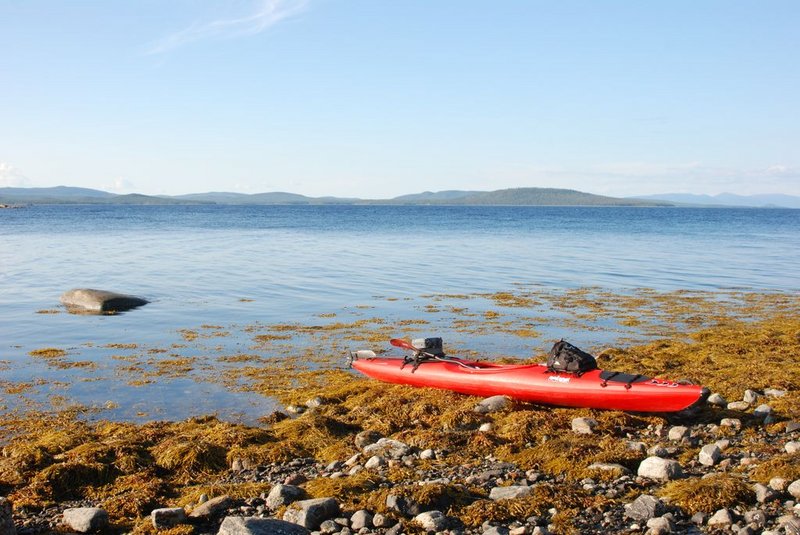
(235, 266)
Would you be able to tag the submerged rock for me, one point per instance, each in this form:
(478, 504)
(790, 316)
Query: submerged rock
(98, 301)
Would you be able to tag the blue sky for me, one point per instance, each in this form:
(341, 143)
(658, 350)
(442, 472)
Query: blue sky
(376, 99)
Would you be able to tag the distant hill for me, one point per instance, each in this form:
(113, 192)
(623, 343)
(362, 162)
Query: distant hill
(548, 197)
(70, 195)
(275, 197)
(729, 199)
(435, 196)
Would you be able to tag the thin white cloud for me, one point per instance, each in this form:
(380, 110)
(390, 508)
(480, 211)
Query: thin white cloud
(121, 185)
(267, 14)
(10, 177)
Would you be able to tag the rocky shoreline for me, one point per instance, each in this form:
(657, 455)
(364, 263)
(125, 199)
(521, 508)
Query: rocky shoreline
(709, 476)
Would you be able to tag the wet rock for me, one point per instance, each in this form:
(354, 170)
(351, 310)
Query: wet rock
(311, 513)
(659, 468)
(721, 518)
(6, 519)
(367, 437)
(212, 507)
(792, 447)
(240, 525)
(678, 433)
(794, 489)
(98, 301)
(431, 520)
(168, 517)
(281, 495)
(510, 492)
(361, 519)
(86, 519)
(389, 447)
(644, 508)
(717, 400)
(492, 404)
(738, 406)
(584, 426)
(709, 455)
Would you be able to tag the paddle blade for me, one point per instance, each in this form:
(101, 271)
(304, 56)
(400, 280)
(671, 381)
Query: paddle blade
(397, 342)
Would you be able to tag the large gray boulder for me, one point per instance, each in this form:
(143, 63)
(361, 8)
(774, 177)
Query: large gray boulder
(98, 301)
(243, 525)
(311, 513)
(6, 520)
(85, 519)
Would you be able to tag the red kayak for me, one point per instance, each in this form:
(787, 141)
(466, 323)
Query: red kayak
(595, 389)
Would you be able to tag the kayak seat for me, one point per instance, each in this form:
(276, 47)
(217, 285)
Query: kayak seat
(621, 377)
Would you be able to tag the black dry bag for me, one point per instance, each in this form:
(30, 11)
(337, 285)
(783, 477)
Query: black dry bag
(565, 357)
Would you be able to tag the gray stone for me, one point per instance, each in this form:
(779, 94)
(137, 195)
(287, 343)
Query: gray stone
(376, 461)
(311, 513)
(774, 393)
(763, 410)
(6, 518)
(756, 517)
(723, 444)
(486, 427)
(431, 520)
(212, 507)
(397, 529)
(361, 519)
(584, 426)
(98, 301)
(314, 402)
(794, 488)
(388, 447)
(717, 399)
(709, 455)
(792, 426)
(85, 519)
(167, 517)
(778, 484)
(792, 447)
(792, 526)
(511, 492)
(382, 521)
(427, 454)
(750, 396)
(657, 451)
(328, 527)
(240, 525)
(763, 493)
(497, 530)
(660, 525)
(367, 437)
(661, 469)
(644, 508)
(639, 447)
(678, 433)
(492, 404)
(731, 422)
(720, 518)
(738, 406)
(281, 495)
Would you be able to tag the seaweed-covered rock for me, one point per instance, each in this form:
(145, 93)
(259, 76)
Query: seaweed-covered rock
(659, 468)
(388, 447)
(366, 437)
(85, 519)
(240, 525)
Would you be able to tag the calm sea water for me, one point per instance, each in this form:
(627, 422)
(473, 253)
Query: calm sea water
(236, 265)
